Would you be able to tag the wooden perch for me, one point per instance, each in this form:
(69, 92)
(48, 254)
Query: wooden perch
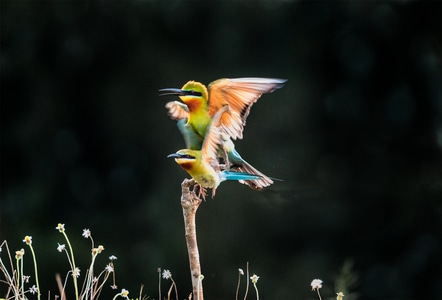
(190, 203)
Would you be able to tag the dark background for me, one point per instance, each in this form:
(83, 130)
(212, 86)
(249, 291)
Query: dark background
(355, 134)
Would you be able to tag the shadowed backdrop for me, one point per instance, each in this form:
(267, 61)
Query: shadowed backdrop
(355, 135)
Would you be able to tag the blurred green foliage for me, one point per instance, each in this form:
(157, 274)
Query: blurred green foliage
(355, 134)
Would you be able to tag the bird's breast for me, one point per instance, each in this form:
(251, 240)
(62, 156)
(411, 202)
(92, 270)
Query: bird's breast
(206, 180)
(193, 104)
(186, 166)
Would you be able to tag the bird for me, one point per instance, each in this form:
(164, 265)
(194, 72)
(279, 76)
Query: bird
(203, 165)
(199, 104)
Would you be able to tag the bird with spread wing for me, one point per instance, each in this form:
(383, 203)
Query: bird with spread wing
(199, 106)
(203, 164)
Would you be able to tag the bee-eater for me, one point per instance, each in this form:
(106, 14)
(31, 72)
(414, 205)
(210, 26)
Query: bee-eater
(200, 104)
(203, 164)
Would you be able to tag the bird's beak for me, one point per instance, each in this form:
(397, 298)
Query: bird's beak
(174, 155)
(172, 91)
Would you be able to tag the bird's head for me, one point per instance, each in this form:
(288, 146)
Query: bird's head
(185, 157)
(191, 91)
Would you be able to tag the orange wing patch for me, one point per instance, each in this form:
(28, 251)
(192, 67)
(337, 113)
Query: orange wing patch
(240, 94)
(212, 140)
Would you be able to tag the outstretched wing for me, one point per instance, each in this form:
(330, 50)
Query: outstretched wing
(212, 141)
(239, 94)
(177, 110)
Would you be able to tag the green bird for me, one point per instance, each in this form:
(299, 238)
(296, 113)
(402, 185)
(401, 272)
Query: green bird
(203, 164)
(199, 105)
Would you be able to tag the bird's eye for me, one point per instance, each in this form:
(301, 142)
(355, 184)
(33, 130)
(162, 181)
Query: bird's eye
(193, 93)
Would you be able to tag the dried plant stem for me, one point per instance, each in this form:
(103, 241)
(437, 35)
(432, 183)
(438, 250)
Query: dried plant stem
(190, 203)
(60, 286)
(72, 260)
(35, 270)
(247, 281)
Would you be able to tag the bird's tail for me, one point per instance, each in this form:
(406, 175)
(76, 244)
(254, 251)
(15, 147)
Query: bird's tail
(258, 184)
(229, 175)
(234, 161)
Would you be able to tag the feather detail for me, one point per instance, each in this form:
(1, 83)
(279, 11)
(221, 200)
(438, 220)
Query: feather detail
(240, 94)
(212, 141)
(177, 110)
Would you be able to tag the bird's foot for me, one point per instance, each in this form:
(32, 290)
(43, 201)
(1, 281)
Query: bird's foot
(199, 191)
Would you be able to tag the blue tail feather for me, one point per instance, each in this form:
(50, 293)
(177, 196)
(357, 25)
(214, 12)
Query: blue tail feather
(228, 175)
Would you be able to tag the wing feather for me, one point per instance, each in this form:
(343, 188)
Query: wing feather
(240, 94)
(177, 110)
(212, 141)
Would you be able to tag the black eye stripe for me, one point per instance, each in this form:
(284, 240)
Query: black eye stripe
(186, 156)
(192, 93)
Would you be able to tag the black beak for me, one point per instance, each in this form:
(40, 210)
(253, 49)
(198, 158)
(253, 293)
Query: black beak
(184, 156)
(172, 91)
(179, 92)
